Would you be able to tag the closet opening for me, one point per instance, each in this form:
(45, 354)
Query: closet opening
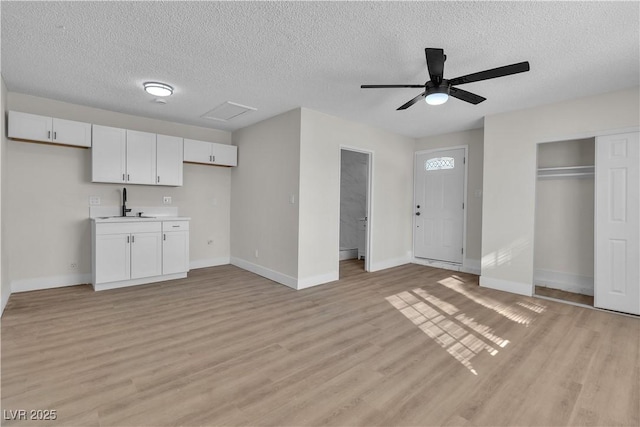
(564, 221)
(355, 188)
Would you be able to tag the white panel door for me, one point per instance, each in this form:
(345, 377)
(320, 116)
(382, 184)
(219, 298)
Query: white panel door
(71, 132)
(146, 255)
(175, 252)
(169, 157)
(141, 157)
(108, 154)
(439, 205)
(112, 258)
(29, 126)
(617, 270)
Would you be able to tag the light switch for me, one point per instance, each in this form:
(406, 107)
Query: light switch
(292, 199)
(166, 200)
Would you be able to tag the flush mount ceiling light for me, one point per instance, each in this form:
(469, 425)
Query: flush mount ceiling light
(158, 89)
(437, 95)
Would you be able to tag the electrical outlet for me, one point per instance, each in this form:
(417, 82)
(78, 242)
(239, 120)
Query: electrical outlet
(94, 200)
(73, 266)
(210, 242)
(166, 200)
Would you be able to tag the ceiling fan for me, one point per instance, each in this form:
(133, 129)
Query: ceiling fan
(437, 90)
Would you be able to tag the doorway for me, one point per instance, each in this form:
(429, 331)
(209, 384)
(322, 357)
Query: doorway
(439, 220)
(355, 212)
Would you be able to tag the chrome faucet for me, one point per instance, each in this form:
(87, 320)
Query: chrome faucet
(124, 202)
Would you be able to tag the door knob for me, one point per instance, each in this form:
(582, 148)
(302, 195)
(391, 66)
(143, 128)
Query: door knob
(418, 213)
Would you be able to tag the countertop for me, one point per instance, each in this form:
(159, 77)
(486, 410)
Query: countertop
(117, 219)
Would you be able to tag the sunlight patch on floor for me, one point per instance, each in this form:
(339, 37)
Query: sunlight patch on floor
(461, 336)
(519, 313)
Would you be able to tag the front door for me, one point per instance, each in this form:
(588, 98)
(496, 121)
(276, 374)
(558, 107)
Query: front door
(439, 205)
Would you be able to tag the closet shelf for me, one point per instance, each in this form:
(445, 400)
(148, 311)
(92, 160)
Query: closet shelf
(566, 172)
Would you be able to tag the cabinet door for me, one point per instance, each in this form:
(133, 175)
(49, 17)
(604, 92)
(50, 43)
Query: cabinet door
(146, 255)
(197, 151)
(108, 154)
(169, 156)
(175, 252)
(112, 258)
(225, 155)
(71, 132)
(29, 126)
(141, 157)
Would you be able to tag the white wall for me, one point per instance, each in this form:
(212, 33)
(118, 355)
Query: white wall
(474, 139)
(263, 219)
(5, 284)
(391, 215)
(510, 175)
(46, 199)
(353, 196)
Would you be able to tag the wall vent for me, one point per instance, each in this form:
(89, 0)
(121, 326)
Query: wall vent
(227, 111)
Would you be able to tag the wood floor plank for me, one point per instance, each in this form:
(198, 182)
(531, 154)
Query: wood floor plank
(406, 346)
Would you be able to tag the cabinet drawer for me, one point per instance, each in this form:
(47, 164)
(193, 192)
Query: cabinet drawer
(175, 226)
(129, 227)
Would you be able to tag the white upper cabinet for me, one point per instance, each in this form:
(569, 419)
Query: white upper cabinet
(141, 157)
(210, 153)
(109, 155)
(33, 127)
(169, 155)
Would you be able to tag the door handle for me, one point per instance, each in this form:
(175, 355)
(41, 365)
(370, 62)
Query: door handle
(418, 213)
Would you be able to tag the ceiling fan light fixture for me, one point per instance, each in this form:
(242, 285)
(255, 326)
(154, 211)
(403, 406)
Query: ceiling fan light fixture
(158, 89)
(437, 95)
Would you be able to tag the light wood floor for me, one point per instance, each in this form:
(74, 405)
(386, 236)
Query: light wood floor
(410, 345)
(564, 295)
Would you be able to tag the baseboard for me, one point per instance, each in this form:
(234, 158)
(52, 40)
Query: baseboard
(389, 263)
(35, 284)
(136, 282)
(437, 264)
(472, 266)
(507, 286)
(283, 279)
(348, 254)
(564, 281)
(318, 280)
(209, 262)
(5, 300)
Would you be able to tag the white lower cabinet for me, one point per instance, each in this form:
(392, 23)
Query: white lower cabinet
(137, 252)
(175, 247)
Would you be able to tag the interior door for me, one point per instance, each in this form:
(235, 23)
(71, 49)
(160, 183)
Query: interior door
(617, 270)
(439, 205)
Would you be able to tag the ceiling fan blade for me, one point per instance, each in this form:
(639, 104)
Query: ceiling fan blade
(507, 70)
(435, 64)
(388, 86)
(413, 101)
(463, 95)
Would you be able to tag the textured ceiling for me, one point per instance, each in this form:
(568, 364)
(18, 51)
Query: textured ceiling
(277, 56)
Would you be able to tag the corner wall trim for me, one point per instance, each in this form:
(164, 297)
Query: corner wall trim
(317, 280)
(209, 262)
(283, 279)
(38, 283)
(5, 300)
(507, 286)
(389, 263)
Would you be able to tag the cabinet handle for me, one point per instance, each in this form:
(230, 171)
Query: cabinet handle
(158, 179)
(123, 178)
(210, 159)
(128, 177)
(133, 239)
(213, 158)
(164, 237)
(127, 239)
(54, 134)
(48, 134)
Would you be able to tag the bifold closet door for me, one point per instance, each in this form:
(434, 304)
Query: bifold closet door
(617, 257)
